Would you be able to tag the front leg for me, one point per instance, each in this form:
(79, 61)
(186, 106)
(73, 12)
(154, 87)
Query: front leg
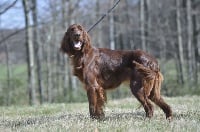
(96, 99)
(96, 94)
(101, 100)
(92, 99)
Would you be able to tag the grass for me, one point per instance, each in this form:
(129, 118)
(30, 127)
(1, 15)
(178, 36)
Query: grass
(17, 70)
(121, 115)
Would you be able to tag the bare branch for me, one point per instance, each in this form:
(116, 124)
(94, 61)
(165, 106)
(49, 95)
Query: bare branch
(8, 7)
(10, 35)
(20, 30)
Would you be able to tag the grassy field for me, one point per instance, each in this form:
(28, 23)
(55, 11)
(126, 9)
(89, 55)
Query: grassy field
(121, 115)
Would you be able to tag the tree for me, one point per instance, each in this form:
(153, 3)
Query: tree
(142, 25)
(49, 66)
(38, 52)
(9, 75)
(64, 69)
(30, 53)
(195, 41)
(129, 34)
(98, 31)
(111, 29)
(190, 51)
(8, 7)
(180, 44)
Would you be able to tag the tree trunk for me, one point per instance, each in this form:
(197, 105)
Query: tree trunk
(64, 69)
(8, 65)
(30, 54)
(196, 48)
(99, 27)
(189, 43)
(148, 22)
(180, 44)
(49, 67)
(56, 78)
(142, 24)
(128, 22)
(111, 29)
(38, 52)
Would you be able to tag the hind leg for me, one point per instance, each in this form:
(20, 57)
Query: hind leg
(163, 105)
(138, 92)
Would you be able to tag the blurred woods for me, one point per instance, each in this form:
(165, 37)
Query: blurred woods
(33, 71)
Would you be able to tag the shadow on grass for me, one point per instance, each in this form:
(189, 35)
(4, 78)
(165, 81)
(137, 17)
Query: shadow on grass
(23, 122)
(188, 115)
(40, 120)
(130, 115)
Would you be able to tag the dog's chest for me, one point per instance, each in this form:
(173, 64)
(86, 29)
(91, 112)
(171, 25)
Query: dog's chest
(78, 68)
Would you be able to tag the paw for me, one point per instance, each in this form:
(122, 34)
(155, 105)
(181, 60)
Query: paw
(169, 118)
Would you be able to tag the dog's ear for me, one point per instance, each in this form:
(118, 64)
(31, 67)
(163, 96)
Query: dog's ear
(86, 40)
(86, 37)
(65, 43)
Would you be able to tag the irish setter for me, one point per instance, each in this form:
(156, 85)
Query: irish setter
(101, 69)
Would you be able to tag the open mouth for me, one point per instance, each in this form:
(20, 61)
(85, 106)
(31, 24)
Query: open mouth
(77, 45)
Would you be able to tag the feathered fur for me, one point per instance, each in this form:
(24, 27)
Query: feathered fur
(151, 80)
(101, 69)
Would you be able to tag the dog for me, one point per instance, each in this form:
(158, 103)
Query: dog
(101, 69)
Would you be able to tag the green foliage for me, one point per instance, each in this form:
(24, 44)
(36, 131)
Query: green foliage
(17, 93)
(122, 92)
(121, 115)
(171, 87)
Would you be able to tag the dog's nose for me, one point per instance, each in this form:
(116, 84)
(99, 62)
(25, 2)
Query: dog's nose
(77, 34)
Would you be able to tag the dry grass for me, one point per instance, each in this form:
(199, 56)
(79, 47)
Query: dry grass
(121, 115)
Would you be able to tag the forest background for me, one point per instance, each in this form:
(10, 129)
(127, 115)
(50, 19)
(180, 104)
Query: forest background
(33, 71)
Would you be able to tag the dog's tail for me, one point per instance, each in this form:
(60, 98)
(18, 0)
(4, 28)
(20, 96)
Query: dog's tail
(151, 80)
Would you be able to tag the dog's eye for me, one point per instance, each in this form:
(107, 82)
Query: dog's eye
(72, 29)
(80, 28)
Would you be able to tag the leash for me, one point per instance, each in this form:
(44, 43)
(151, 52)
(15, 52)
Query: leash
(103, 16)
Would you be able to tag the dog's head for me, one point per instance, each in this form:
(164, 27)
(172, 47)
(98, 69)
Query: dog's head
(75, 40)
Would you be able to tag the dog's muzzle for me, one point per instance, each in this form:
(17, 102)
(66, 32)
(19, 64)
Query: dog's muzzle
(77, 45)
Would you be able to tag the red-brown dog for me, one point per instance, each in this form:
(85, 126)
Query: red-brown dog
(101, 69)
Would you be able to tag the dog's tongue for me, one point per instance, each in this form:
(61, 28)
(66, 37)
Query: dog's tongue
(77, 45)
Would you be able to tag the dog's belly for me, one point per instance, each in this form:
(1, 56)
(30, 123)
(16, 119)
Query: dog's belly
(110, 79)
